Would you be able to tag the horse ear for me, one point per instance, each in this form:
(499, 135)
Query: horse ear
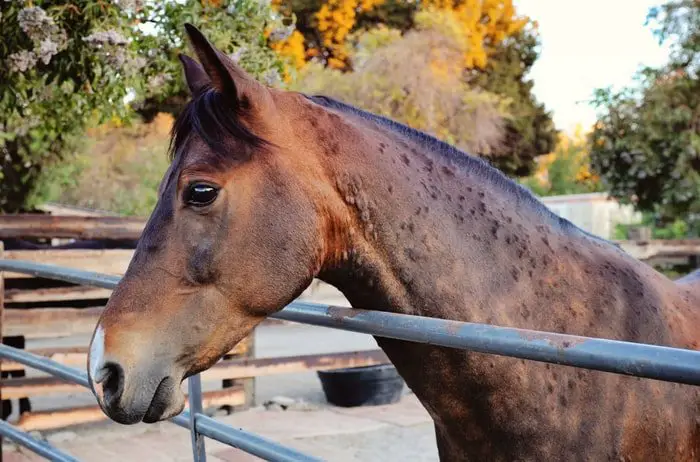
(194, 74)
(225, 75)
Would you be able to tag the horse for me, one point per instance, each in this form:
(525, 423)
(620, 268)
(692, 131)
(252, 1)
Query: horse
(269, 189)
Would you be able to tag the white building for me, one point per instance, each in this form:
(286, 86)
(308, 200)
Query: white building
(594, 212)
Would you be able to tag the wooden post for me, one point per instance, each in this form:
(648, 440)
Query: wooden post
(247, 351)
(249, 383)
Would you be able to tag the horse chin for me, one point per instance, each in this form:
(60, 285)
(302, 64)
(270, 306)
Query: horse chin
(168, 401)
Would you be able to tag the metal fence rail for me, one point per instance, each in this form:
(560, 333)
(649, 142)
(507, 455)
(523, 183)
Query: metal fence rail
(28, 441)
(627, 358)
(203, 424)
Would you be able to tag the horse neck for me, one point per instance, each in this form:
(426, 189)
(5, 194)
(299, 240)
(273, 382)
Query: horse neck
(438, 236)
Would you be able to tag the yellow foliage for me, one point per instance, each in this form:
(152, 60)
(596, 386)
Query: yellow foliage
(162, 124)
(415, 78)
(292, 48)
(478, 25)
(336, 18)
(575, 147)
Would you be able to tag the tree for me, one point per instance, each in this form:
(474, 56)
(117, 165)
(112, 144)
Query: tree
(328, 24)
(61, 67)
(245, 29)
(67, 65)
(530, 131)
(646, 142)
(416, 78)
(499, 49)
(566, 170)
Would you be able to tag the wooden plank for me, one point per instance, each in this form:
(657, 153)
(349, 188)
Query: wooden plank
(108, 261)
(257, 367)
(231, 369)
(55, 294)
(37, 386)
(74, 211)
(76, 227)
(51, 322)
(45, 420)
(77, 356)
(77, 360)
(237, 350)
(645, 250)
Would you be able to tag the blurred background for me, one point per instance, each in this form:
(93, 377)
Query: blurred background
(566, 97)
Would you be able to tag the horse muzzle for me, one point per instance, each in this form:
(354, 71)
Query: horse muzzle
(146, 396)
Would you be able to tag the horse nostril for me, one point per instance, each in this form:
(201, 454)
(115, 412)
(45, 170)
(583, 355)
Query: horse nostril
(112, 378)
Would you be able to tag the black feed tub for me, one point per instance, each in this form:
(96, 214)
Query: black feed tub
(362, 386)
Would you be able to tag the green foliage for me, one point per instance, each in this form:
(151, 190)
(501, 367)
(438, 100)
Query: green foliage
(60, 68)
(236, 27)
(679, 21)
(117, 169)
(566, 170)
(646, 143)
(65, 66)
(530, 130)
(677, 229)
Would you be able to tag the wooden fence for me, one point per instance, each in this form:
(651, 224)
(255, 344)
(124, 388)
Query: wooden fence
(46, 312)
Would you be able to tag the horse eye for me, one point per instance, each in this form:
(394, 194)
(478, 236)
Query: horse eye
(200, 194)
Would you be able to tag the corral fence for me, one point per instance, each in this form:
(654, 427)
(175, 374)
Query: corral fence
(53, 319)
(634, 359)
(82, 271)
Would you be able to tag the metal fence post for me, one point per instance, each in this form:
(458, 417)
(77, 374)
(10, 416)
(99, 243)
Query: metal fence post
(194, 386)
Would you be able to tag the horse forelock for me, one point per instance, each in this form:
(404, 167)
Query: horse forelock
(216, 120)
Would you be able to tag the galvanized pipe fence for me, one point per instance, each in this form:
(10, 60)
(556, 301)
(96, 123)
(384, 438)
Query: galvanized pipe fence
(628, 358)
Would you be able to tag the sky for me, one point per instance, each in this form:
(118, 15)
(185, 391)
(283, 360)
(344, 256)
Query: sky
(587, 44)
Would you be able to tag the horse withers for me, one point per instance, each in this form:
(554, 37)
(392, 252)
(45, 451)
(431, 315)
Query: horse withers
(269, 189)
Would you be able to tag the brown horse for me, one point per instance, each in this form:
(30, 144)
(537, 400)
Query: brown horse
(269, 189)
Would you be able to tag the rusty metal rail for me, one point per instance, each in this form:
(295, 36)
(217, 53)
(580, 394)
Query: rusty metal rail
(627, 358)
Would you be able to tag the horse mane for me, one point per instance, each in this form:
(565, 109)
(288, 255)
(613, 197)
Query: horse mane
(214, 118)
(476, 165)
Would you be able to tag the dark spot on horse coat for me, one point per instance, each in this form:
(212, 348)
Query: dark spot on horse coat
(515, 272)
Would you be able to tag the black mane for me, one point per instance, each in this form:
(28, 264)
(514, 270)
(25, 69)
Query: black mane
(214, 118)
(472, 163)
